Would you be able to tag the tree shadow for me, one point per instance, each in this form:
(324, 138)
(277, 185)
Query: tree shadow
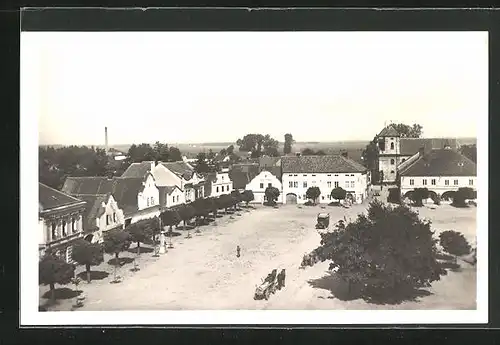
(61, 293)
(94, 275)
(141, 250)
(341, 290)
(185, 228)
(120, 261)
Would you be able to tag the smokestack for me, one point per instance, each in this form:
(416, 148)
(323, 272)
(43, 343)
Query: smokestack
(106, 139)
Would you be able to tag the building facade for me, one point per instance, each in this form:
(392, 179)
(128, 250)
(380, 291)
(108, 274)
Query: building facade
(262, 181)
(440, 171)
(326, 172)
(171, 196)
(60, 220)
(220, 183)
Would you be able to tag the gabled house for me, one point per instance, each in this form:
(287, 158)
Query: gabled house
(60, 221)
(218, 183)
(326, 172)
(137, 197)
(264, 179)
(171, 196)
(102, 213)
(440, 171)
(242, 174)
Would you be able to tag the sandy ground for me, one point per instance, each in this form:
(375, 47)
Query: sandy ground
(203, 272)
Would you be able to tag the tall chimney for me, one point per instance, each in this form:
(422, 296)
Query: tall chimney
(106, 139)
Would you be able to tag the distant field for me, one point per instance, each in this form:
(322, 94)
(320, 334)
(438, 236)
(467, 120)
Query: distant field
(353, 148)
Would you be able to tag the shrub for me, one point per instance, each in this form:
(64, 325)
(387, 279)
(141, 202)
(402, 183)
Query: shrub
(53, 270)
(394, 196)
(309, 203)
(313, 193)
(88, 254)
(271, 194)
(338, 193)
(247, 196)
(463, 194)
(418, 195)
(387, 250)
(454, 243)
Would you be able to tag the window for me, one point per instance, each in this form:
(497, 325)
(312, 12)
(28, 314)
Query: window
(304, 184)
(433, 182)
(346, 174)
(64, 228)
(295, 184)
(290, 184)
(322, 197)
(329, 184)
(313, 182)
(269, 184)
(222, 178)
(347, 184)
(305, 175)
(455, 182)
(290, 175)
(392, 146)
(147, 203)
(177, 198)
(336, 184)
(329, 175)
(352, 184)
(261, 185)
(471, 182)
(424, 182)
(222, 187)
(412, 182)
(313, 175)
(392, 161)
(392, 171)
(114, 217)
(217, 189)
(352, 174)
(294, 174)
(336, 174)
(108, 219)
(53, 230)
(446, 182)
(173, 199)
(304, 197)
(73, 224)
(152, 201)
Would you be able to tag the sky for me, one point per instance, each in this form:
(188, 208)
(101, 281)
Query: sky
(194, 87)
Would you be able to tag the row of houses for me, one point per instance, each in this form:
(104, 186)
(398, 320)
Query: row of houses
(88, 206)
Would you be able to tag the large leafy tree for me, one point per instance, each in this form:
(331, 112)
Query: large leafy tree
(53, 270)
(455, 243)
(407, 131)
(386, 251)
(143, 231)
(87, 254)
(247, 197)
(271, 194)
(237, 196)
(288, 143)
(418, 195)
(201, 166)
(313, 193)
(338, 193)
(170, 218)
(461, 195)
(186, 213)
(258, 144)
(225, 201)
(116, 241)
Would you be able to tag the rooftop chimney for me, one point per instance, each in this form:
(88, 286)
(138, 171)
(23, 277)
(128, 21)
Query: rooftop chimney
(106, 139)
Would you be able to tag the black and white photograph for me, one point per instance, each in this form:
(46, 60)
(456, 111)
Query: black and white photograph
(254, 177)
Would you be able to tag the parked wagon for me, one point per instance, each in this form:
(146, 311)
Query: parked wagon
(323, 221)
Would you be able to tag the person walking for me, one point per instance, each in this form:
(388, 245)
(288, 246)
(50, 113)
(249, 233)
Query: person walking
(238, 249)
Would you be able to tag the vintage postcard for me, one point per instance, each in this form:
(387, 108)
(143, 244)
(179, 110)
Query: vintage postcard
(253, 177)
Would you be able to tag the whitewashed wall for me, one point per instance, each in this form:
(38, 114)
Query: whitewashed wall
(259, 184)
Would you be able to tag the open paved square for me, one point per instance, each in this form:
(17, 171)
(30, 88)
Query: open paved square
(203, 272)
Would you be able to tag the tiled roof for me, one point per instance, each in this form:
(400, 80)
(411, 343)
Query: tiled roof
(269, 161)
(50, 198)
(388, 131)
(442, 162)
(179, 168)
(124, 190)
(138, 169)
(276, 171)
(320, 164)
(93, 210)
(410, 146)
(242, 175)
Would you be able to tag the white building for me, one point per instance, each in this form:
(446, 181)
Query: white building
(102, 213)
(60, 221)
(262, 181)
(326, 172)
(180, 174)
(440, 171)
(171, 196)
(138, 197)
(218, 183)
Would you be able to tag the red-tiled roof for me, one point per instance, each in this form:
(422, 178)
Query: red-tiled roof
(179, 168)
(410, 146)
(320, 164)
(50, 198)
(388, 131)
(124, 190)
(442, 162)
(138, 169)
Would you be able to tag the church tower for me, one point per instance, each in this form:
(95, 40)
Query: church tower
(388, 143)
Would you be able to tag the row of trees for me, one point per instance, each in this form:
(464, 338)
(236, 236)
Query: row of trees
(53, 270)
(55, 164)
(417, 196)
